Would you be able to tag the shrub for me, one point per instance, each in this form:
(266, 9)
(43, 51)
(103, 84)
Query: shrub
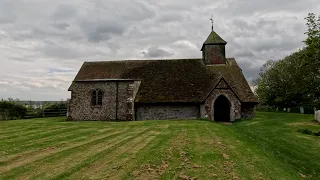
(58, 105)
(305, 131)
(11, 110)
(266, 108)
(317, 134)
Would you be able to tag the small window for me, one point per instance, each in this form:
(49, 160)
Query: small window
(100, 98)
(96, 97)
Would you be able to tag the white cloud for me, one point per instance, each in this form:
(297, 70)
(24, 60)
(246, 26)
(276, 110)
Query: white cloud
(43, 43)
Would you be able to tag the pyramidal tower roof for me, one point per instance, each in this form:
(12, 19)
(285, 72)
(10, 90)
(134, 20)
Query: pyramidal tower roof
(214, 38)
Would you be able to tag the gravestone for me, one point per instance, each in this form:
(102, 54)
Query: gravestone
(317, 115)
(301, 110)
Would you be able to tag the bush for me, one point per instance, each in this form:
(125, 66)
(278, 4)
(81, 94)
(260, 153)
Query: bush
(11, 110)
(305, 131)
(56, 106)
(317, 134)
(295, 110)
(308, 110)
(266, 108)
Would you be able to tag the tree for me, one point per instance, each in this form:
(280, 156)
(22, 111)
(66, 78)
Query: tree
(312, 57)
(295, 80)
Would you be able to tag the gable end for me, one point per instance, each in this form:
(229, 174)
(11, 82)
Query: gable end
(222, 84)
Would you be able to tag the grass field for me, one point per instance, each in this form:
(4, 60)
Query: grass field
(266, 147)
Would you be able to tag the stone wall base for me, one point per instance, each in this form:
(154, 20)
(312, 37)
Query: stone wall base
(167, 111)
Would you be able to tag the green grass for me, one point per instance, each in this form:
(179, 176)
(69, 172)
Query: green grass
(270, 146)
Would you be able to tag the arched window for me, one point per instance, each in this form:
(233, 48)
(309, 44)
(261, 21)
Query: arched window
(96, 97)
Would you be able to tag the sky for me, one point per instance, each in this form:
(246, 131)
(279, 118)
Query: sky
(43, 43)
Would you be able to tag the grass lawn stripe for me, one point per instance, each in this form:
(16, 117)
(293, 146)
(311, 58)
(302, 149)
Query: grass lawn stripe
(104, 166)
(201, 151)
(57, 166)
(236, 157)
(118, 168)
(59, 143)
(176, 155)
(52, 140)
(265, 147)
(153, 153)
(280, 146)
(40, 135)
(228, 162)
(95, 157)
(53, 154)
(22, 132)
(169, 153)
(18, 129)
(40, 142)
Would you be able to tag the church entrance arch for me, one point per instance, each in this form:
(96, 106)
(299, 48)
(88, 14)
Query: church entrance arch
(222, 109)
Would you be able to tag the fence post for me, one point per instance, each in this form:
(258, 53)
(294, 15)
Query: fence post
(43, 113)
(59, 112)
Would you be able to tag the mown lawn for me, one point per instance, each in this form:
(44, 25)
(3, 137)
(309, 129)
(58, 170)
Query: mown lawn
(266, 147)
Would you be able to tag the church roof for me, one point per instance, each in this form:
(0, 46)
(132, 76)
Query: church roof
(177, 80)
(232, 73)
(214, 38)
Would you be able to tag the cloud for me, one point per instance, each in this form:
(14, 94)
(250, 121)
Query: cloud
(57, 70)
(7, 14)
(97, 31)
(185, 44)
(155, 52)
(61, 26)
(64, 11)
(44, 43)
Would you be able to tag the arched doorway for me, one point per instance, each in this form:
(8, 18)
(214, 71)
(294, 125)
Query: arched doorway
(222, 109)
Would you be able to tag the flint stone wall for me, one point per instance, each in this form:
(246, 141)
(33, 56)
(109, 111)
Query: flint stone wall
(235, 104)
(163, 112)
(113, 107)
(247, 111)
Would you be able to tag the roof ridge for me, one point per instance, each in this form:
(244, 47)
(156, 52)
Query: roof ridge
(132, 60)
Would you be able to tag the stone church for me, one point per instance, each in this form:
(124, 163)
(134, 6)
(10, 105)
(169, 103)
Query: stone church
(212, 87)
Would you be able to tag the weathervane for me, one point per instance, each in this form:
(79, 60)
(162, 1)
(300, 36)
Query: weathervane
(211, 22)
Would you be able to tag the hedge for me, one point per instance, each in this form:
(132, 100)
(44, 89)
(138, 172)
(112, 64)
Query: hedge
(11, 110)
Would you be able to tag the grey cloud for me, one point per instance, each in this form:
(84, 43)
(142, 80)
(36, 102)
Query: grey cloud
(125, 10)
(43, 33)
(97, 31)
(44, 88)
(59, 70)
(170, 17)
(64, 11)
(46, 34)
(285, 43)
(260, 24)
(249, 71)
(61, 26)
(7, 14)
(249, 7)
(4, 20)
(155, 52)
(244, 54)
(67, 52)
(23, 59)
